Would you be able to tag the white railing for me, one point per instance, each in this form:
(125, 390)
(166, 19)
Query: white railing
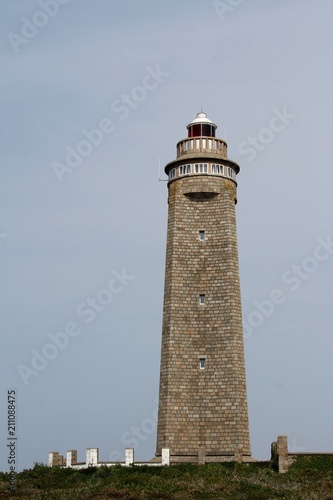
(202, 145)
(202, 168)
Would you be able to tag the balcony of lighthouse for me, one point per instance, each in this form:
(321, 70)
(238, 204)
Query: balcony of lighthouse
(212, 169)
(195, 145)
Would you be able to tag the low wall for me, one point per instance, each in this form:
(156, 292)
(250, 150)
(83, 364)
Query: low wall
(92, 459)
(281, 457)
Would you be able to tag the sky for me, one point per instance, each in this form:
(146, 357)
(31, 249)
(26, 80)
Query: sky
(94, 95)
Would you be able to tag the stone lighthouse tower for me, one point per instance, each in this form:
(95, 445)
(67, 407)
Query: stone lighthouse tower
(202, 399)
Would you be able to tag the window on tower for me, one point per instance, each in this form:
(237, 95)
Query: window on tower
(201, 168)
(184, 169)
(202, 363)
(172, 173)
(201, 235)
(202, 299)
(207, 130)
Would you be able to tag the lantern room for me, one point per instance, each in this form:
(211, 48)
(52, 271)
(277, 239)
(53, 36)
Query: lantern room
(201, 126)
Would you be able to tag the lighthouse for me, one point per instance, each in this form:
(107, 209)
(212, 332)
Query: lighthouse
(202, 395)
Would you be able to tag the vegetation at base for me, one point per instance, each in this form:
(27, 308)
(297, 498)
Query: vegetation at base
(308, 478)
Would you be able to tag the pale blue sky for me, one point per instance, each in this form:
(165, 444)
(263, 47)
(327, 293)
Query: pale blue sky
(60, 241)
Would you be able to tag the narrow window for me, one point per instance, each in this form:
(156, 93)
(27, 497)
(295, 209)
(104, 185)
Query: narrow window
(202, 298)
(201, 235)
(188, 169)
(202, 363)
(172, 173)
(196, 168)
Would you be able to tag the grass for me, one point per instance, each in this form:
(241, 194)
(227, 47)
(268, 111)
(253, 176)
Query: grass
(309, 478)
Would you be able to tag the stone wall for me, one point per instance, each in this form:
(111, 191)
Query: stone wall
(92, 459)
(202, 408)
(283, 459)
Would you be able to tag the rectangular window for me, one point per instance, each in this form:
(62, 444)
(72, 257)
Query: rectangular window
(201, 235)
(202, 298)
(202, 363)
(184, 169)
(172, 174)
(196, 168)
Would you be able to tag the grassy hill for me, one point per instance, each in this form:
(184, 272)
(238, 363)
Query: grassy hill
(308, 478)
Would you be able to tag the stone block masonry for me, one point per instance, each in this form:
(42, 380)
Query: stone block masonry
(202, 401)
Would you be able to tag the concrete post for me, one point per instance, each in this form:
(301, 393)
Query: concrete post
(71, 458)
(201, 456)
(129, 456)
(91, 457)
(165, 456)
(239, 454)
(53, 458)
(282, 452)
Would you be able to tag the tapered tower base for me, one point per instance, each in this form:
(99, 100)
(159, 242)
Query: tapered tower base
(202, 401)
